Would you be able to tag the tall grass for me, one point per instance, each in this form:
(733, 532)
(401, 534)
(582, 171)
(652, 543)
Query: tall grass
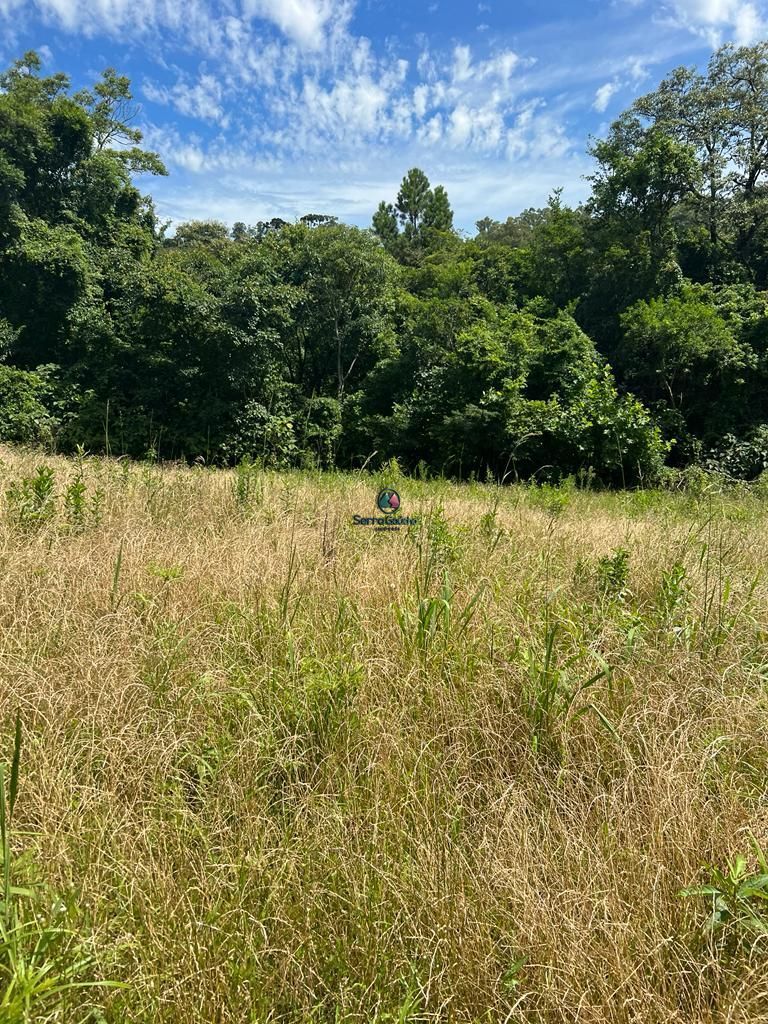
(510, 765)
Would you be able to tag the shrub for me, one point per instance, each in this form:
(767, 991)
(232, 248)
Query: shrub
(24, 415)
(261, 434)
(613, 435)
(32, 500)
(742, 458)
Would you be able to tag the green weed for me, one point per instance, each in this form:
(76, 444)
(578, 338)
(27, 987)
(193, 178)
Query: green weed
(32, 500)
(550, 692)
(436, 616)
(613, 574)
(248, 486)
(737, 899)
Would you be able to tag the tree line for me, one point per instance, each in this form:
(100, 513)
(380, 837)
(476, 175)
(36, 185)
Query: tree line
(605, 341)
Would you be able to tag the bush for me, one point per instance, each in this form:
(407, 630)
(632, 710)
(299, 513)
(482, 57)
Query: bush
(613, 435)
(24, 416)
(741, 458)
(262, 435)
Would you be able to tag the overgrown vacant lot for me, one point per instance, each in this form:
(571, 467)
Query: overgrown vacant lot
(278, 768)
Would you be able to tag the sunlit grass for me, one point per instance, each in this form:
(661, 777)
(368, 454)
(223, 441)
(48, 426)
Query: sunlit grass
(280, 768)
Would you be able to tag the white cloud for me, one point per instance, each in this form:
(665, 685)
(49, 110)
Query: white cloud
(499, 66)
(603, 96)
(636, 69)
(304, 21)
(203, 100)
(231, 188)
(294, 87)
(462, 64)
(118, 17)
(351, 103)
(420, 100)
(536, 134)
(748, 25)
(460, 130)
(431, 132)
(425, 66)
(186, 152)
(720, 20)
(307, 23)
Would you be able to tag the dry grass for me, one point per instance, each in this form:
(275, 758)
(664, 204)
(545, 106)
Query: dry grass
(275, 783)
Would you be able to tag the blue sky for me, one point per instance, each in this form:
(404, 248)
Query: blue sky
(265, 108)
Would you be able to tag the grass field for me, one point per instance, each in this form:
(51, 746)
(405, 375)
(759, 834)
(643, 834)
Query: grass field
(274, 767)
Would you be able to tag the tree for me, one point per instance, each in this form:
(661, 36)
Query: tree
(25, 414)
(110, 114)
(413, 200)
(318, 220)
(559, 250)
(308, 343)
(385, 225)
(692, 110)
(741, 76)
(502, 273)
(680, 351)
(517, 232)
(438, 214)
(723, 117)
(639, 182)
(200, 232)
(264, 228)
(424, 215)
(346, 282)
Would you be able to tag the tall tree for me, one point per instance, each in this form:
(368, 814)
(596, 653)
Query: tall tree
(438, 214)
(639, 182)
(424, 214)
(723, 116)
(413, 199)
(385, 225)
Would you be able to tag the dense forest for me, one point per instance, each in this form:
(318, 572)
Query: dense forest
(607, 341)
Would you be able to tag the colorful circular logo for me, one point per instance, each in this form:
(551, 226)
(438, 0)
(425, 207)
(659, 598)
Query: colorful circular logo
(388, 501)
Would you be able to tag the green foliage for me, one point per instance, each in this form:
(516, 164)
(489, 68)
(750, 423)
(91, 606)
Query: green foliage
(738, 900)
(248, 485)
(741, 458)
(680, 349)
(489, 527)
(612, 435)
(641, 176)
(32, 500)
(26, 415)
(423, 213)
(200, 232)
(268, 437)
(672, 598)
(550, 692)
(436, 617)
(613, 573)
(600, 341)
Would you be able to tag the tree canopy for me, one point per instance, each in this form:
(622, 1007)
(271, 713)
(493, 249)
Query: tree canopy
(606, 339)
